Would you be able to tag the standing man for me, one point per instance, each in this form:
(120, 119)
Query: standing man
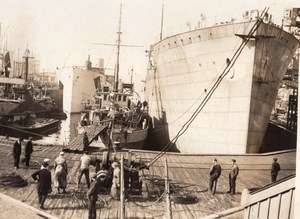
(85, 162)
(274, 169)
(43, 177)
(92, 195)
(17, 152)
(28, 151)
(215, 172)
(232, 177)
(85, 142)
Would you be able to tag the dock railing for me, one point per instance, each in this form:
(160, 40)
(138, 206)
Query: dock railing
(275, 200)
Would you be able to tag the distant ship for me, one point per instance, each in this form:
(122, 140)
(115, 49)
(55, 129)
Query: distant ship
(212, 89)
(106, 99)
(21, 113)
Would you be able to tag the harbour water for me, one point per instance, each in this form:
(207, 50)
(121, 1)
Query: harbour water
(66, 132)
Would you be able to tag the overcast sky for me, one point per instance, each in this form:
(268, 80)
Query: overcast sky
(63, 32)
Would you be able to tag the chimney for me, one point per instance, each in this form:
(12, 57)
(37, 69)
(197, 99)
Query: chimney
(88, 64)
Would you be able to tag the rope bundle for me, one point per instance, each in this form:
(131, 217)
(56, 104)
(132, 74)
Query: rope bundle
(13, 180)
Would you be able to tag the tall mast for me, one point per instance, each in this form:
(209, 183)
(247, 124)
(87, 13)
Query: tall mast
(162, 22)
(27, 57)
(118, 53)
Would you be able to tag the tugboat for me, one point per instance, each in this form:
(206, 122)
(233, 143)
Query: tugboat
(110, 103)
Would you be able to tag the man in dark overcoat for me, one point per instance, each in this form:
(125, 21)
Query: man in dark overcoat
(92, 195)
(85, 142)
(17, 152)
(215, 172)
(28, 151)
(43, 177)
(274, 169)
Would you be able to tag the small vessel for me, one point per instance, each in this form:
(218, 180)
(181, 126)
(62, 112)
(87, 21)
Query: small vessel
(212, 89)
(21, 115)
(27, 124)
(118, 105)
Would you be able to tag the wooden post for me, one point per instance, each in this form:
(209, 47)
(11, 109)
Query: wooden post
(122, 190)
(167, 185)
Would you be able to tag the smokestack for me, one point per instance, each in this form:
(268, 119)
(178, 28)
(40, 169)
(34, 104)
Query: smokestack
(88, 64)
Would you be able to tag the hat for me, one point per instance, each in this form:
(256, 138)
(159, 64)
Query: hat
(62, 153)
(215, 160)
(45, 164)
(30, 138)
(46, 160)
(114, 165)
(116, 142)
(233, 160)
(275, 159)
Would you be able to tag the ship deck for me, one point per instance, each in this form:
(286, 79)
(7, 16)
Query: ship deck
(189, 175)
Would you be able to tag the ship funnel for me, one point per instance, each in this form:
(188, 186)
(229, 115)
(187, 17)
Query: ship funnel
(88, 64)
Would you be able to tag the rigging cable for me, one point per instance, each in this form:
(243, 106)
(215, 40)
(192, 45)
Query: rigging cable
(211, 91)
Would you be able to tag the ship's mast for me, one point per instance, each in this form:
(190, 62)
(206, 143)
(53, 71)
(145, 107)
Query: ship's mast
(26, 57)
(162, 23)
(118, 53)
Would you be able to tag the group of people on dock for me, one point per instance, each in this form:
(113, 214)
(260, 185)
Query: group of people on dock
(17, 149)
(100, 176)
(215, 173)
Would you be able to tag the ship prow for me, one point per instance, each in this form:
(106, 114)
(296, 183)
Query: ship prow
(212, 89)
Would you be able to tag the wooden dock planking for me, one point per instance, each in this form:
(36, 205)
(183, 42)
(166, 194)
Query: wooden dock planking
(183, 170)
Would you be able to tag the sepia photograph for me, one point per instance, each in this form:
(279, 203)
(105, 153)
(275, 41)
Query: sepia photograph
(149, 109)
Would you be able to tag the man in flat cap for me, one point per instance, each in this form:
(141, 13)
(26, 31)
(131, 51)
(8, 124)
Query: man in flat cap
(274, 169)
(43, 177)
(28, 151)
(215, 172)
(234, 171)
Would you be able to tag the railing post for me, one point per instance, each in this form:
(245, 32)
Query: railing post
(167, 185)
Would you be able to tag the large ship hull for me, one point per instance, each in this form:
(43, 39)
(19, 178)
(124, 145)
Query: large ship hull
(235, 116)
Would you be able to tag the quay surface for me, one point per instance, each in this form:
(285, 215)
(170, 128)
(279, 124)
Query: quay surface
(189, 175)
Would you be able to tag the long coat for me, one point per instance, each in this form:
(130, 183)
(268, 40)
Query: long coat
(28, 148)
(17, 149)
(43, 177)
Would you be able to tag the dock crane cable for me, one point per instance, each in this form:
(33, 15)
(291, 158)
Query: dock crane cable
(211, 91)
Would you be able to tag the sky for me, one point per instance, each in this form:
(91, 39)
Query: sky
(62, 33)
